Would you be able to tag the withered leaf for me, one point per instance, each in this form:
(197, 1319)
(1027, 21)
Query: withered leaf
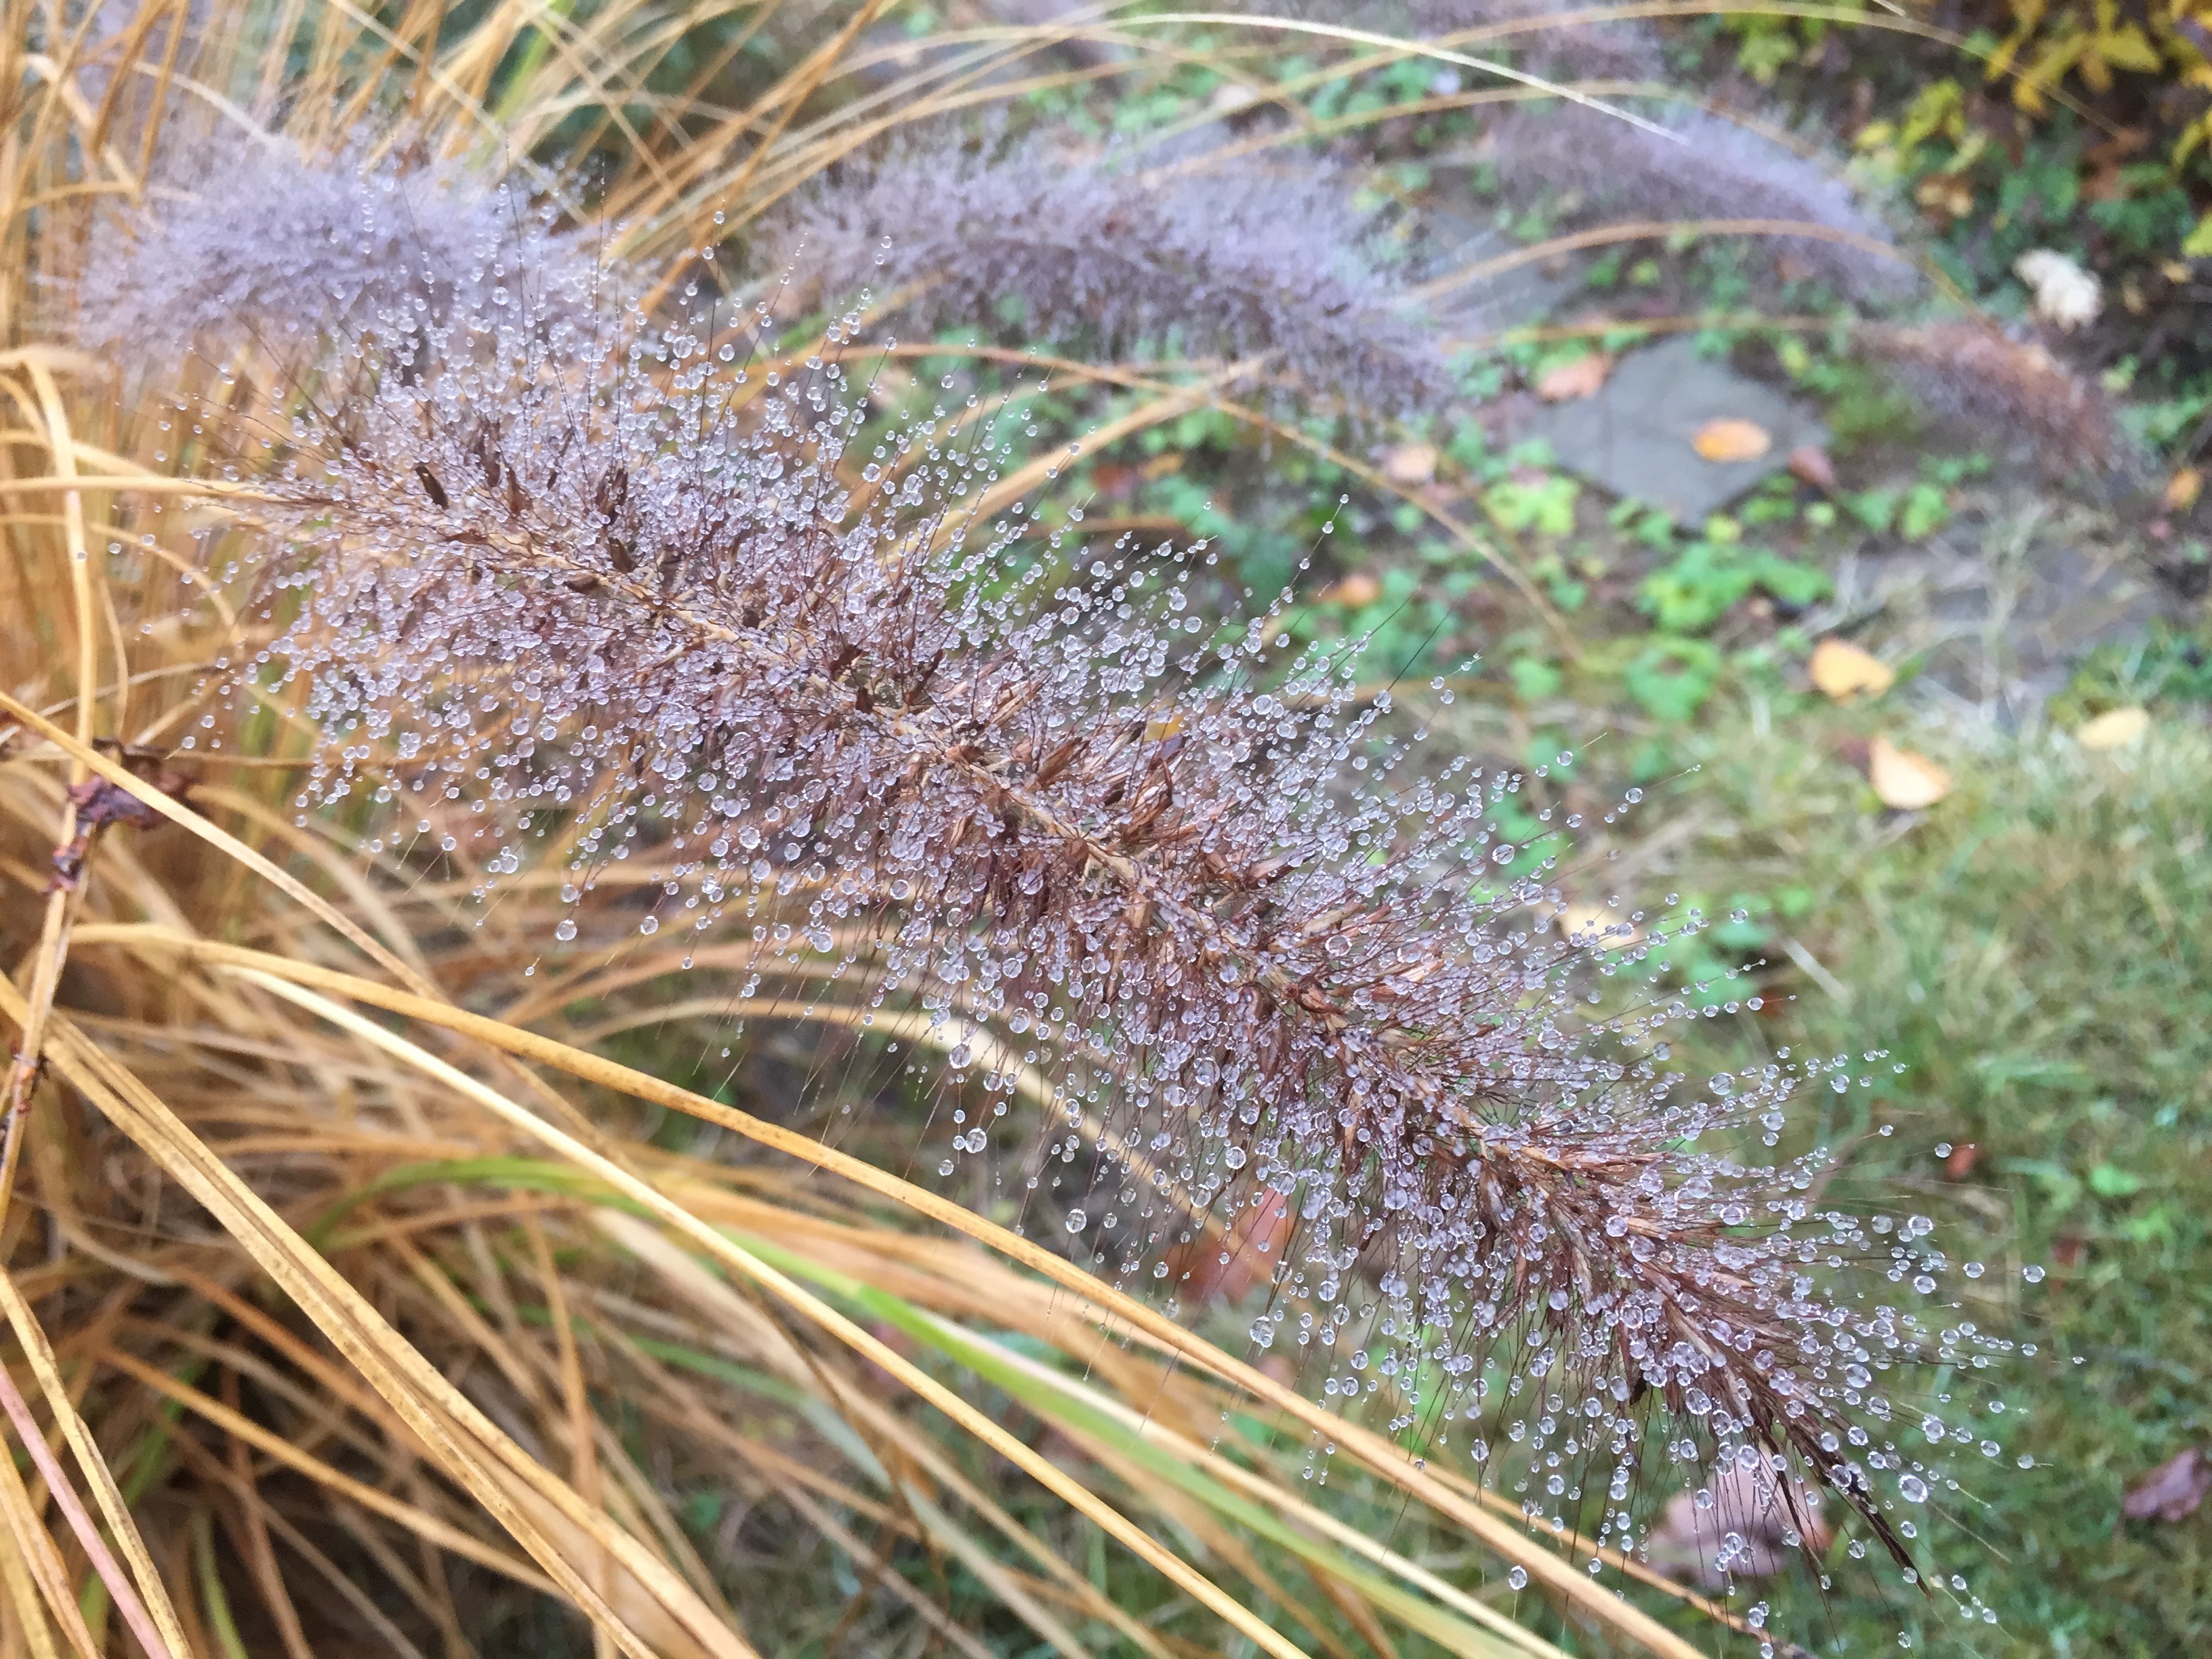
(1840, 670)
(2115, 729)
(1728, 439)
(2170, 1492)
(1903, 780)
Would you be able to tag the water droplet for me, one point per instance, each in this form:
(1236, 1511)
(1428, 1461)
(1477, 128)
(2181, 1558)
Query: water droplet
(1519, 1578)
(1077, 1220)
(565, 929)
(1912, 1489)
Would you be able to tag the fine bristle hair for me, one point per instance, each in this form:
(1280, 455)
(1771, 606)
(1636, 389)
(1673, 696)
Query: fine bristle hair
(1244, 260)
(1702, 167)
(333, 238)
(2014, 391)
(583, 602)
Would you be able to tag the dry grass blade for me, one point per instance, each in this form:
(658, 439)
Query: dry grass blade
(154, 1619)
(787, 1290)
(361, 1331)
(542, 1513)
(1378, 1455)
(160, 801)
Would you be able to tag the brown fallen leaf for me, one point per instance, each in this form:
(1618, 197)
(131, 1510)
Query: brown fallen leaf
(1840, 671)
(1355, 592)
(1579, 379)
(1809, 464)
(2182, 489)
(1903, 779)
(1960, 1163)
(2115, 729)
(1743, 1529)
(1728, 439)
(1410, 464)
(2170, 1492)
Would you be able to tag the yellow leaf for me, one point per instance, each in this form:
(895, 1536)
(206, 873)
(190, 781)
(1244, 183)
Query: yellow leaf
(1841, 669)
(1731, 440)
(2182, 489)
(2115, 730)
(1579, 379)
(2127, 47)
(1903, 780)
(2200, 240)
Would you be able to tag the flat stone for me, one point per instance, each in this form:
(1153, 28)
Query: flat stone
(2003, 625)
(1633, 437)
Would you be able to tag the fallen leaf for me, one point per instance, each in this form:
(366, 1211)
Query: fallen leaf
(2114, 730)
(2066, 296)
(2182, 489)
(1809, 464)
(1743, 1528)
(1226, 1267)
(2170, 1492)
(1840, 670)
(1410, 464)
(1579, 379)
(1728, 439)
(1903, 779)
(1960, 1163)
(1355, 592)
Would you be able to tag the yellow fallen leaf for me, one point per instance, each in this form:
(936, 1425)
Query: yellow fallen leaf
(1355, 592)
(1731, 440)
(1903, 779)
(1840, 670)
(1410, 464)
(1579, 379)
(2114, 730)
(2182, 489)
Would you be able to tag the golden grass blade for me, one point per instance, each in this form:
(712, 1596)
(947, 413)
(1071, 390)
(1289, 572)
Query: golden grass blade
(532, 1505)
(113, 1508)
(27, 1620)
(786, 1290)
(415, 1519)
(83, 754)
(1396, 48)
(1373, 1451)
(104, 1563)
(42, 1562)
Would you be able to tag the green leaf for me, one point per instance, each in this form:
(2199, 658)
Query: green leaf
(2110, 1180)
(1671, 680)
